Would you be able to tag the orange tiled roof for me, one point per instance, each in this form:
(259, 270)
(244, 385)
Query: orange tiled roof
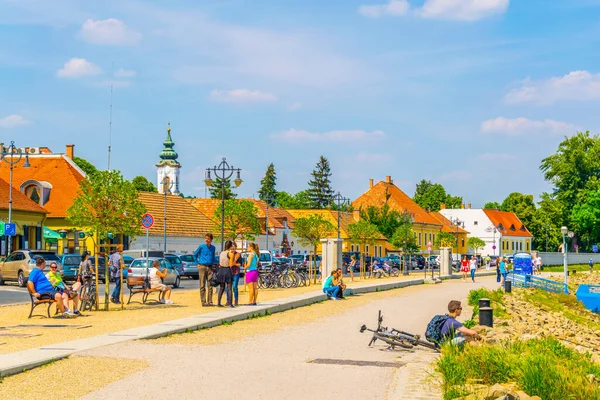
(396, 200)
(20, 201)
(509, 223)
(331, 216)
(56, 169)
(182, 218)
(447, 226)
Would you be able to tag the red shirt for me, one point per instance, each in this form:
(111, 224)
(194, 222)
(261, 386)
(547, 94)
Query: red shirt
(465, 263)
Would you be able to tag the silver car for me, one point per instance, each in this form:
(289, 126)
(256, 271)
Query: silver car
(141, 267)
(20, 263)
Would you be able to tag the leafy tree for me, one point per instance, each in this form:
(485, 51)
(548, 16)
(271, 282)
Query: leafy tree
(445, 239)
(586, 218)
(241, 220)
(364, 234)
(310, 230)
(475, 243)
(268, 186)
(142, 184)
(492, 205)
(546, 224)
(85, 165)
(215, 190)
(522, 205)
(431, 196)
(298, 201)
(320, 192)
(385, 219)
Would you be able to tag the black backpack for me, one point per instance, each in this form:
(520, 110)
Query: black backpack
(434, 329)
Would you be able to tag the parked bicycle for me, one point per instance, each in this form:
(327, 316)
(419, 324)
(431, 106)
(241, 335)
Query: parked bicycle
(394, 337)
(87, 292)
(385, 271)
(283, 276)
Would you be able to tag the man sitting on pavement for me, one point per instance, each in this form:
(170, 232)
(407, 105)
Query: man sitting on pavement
(40, 287)
(332, 291)
(55, 279)
(452, 329)
(338, 281)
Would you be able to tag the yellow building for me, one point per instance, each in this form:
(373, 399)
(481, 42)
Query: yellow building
(459, 233)
(425, 226)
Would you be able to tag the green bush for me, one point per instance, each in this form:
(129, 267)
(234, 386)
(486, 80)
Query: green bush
(495, 297)
(544, 368)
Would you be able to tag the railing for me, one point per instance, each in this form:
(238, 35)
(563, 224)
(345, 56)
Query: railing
(530, 281)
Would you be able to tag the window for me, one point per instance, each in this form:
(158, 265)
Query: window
(367, 249)
(527, 246)
(475, 223)
(512, 245)
(420, 239)
(521, 246)
(463, 242)
(351, 247)
(380, 251)
(32, 191)
(38, 192)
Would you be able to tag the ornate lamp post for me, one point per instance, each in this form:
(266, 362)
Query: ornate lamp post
(224, 172)
(339, 201)
(12, 156)
(167, 185)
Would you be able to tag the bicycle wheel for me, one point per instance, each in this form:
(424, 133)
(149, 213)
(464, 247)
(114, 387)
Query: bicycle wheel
(395, 272)
(394, 342)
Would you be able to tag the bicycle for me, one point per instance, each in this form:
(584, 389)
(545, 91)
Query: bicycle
(87, 293)
(396, 338)
(385, 271)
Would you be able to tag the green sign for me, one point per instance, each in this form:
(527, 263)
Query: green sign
(1, 228)
(81, 235)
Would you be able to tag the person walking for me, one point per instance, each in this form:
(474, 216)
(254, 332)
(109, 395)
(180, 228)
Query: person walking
(205, 257)
(591, 265)
(351, 267)
(488, 261)
(464, 268)
(251, 271)
(224, 275)
(234, 264)
(115, 263)
(473, 266)
(537, 263)
(503, 271)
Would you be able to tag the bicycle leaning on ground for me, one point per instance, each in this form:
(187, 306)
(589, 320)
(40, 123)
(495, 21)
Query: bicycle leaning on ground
(395, 338)
(87, 293)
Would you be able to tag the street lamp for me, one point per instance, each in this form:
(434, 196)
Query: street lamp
(224, 172)
(564, 230)
(167, 185)
(339, 201)
(15, 156)
(456, 222)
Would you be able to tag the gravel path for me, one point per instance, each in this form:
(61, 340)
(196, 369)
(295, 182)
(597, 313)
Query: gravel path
(276, 364)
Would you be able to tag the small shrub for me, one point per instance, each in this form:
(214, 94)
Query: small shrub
(469, 323)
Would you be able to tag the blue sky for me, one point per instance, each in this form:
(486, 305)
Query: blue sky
(468, 93)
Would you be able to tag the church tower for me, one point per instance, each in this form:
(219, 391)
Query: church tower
(168, 167)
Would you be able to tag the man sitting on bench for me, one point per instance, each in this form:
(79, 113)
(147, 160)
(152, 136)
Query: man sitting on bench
(59, 286)
(40, 287)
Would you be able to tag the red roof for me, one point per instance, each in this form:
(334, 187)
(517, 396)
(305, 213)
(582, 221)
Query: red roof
(20, 201)
(507, 223)
(56, 169)
(396, 199)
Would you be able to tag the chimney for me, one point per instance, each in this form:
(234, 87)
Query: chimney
(388, 179)
(462, 205)
(371, 183)
(469, 206)
(356, 215)
(442, 206)
(70, 152)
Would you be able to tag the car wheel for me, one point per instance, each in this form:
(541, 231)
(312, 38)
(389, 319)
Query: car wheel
(177, 282)
(21, 279)
(1, 280)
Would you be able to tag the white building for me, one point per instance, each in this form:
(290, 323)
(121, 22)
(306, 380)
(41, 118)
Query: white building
(503, 232)
(168, 167)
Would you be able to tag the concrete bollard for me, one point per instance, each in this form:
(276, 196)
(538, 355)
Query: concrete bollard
(507, 286)
(486, 316)
(484, 303)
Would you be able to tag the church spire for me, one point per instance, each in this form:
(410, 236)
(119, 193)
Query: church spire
(168, 156)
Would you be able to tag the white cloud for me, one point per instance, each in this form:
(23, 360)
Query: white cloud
(373, 157)
(464, 10)
(77, 68)
(112, 32)
(241, 96)
(394, 8)
(124, 73)
(295, 135)
(574, 86)
(294, 106)
(456, 175)
(521, 126)
(13, 121)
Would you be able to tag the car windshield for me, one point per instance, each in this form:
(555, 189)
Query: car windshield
(101, 260)
(174, 260)
(71, 260)
(48, 255)
(141, 263)
(265, 257)
(187, 258)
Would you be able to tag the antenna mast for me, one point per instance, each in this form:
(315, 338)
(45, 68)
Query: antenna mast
(110, 126)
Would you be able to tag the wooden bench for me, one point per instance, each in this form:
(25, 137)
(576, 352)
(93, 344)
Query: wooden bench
(36, 302)
(139, 284)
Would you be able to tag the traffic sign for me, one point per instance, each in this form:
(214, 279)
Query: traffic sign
(429, 248)
(595, 248)
(1, 228)
(429, 243)
(10, 229)
(576, 246)
(494, 247)
(147, 221)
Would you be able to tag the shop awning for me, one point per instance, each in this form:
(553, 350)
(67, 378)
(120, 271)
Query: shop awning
(50, 235)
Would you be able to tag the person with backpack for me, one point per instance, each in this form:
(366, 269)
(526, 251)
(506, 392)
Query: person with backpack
(443, 328)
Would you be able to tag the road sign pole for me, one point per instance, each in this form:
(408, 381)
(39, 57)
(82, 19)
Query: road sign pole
(147, 249)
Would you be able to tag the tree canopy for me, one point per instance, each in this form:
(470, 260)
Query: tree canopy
(404, 236)
(431, 196)
(320, 192)
(215, 190)
(268, 190)
(310, 230)
(475, 243)
(298, 201)
(444, 239)
(492, 205)
(385, 219)
(142, 184)
(85, 165)
(241, 220)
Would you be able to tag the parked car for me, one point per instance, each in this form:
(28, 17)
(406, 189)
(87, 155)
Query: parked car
(304, 258)
(281, 261)
(176, 262)
(433, 261)
(70, 263)
(141, 267)
(20, 263)
(190, 266)
(127, 260)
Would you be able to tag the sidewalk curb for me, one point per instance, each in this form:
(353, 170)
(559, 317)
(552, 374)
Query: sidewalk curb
(14, 363)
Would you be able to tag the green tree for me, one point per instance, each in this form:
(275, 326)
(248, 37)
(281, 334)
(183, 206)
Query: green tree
(85, 165)
(320, 192)
(241, 220)
(215, 190)
(475, 243)
(586, 219)
(310, 230)
(431, 196)
(522, 205)
(363, 233)
(298, 201)
(546, 223)
(268, 184)
(492, 205)
(385, 219)
(142, 184)
(444, 239)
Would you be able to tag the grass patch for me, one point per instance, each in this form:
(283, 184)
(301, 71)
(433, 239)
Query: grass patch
(496, 300)
(544, 368)
(576, 267)
(567, 304)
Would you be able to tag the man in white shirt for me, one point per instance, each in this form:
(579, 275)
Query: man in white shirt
(473, 266)
(537, 264)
